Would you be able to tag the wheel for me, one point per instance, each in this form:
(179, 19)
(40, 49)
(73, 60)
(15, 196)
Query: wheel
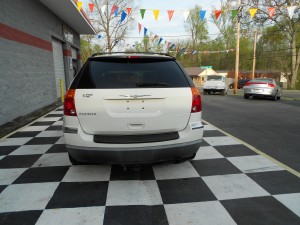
(278, 97)
(246, 96)
(204, 92)
(223, 92)
(275, 97)
(74, 161)
(231, 86)
(208, 92)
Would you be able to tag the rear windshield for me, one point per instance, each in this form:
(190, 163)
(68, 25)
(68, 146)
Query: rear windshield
(214, 78)
(263, 80)
(114, 73)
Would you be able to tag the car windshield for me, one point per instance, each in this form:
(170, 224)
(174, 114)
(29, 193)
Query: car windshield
(211, 78)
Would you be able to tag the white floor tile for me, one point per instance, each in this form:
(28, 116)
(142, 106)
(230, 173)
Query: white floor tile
(54, 133)
(207, 152)
(200, 213)
(31, 149)
(58, 123)
(61, 141)
(133, 192)
(224, 140)
(209, 127)
(72, 216)
(84, 173)
(48, 119)
(14, 141)
(34, 128)
(291, 201)
(53, 159)
(8, 176)
(252, 164)
(175, 171)
(55, 112)
(234, 186)
(2, 156)
(23, 197)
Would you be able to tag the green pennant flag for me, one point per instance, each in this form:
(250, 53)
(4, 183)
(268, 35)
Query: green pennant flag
(143, 12)
(234, 13)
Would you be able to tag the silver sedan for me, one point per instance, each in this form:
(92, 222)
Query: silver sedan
(262, 87)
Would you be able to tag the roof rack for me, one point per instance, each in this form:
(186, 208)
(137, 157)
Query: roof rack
(147, 53)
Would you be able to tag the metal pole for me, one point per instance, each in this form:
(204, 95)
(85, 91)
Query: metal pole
(254, 56)
(237, 55)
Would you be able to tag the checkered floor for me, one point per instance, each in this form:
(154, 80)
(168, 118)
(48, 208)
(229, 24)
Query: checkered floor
(226, 183)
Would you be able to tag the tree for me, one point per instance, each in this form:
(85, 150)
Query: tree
(289, 27)
(87, 47)
(147, 44)
(110, 24)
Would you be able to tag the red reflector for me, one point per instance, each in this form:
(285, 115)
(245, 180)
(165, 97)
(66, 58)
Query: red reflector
(247, 84)
(133, 57)
(271, 85)
(196, 100)
(69, 103)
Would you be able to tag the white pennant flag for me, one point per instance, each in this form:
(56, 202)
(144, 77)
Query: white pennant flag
(186, 14)
(103, 8)
(291, 11)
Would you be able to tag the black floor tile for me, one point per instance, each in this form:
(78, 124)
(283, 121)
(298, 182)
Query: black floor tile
(260, 211)
(59, 148)
(53, 115)
(25, 134)
(234, 150)
(44, 123)
(54, 128)
(42, 140)
(5, 150)
(204, 143)
(184, 191)
(59, 110)
(212, 167)
(132, 173)
(2, 187)
(42, 174)
(20, 218)
(135, 215)
(18, 161)
(61, 119)
(79, 194)
(277, 182)
(212, 133)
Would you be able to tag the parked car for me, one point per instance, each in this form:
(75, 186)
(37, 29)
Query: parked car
(241, 83)
(263, 87)
(213, 84)
(131, 108)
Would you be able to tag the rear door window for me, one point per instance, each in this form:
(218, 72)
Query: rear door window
(115, 73)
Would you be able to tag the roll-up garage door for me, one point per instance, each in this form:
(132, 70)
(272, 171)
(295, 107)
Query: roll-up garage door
(59, 67)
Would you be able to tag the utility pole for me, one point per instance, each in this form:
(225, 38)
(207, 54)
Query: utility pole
(254, 56)
(237, 55)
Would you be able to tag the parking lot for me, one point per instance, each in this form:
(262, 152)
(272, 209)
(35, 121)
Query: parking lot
(226, 183)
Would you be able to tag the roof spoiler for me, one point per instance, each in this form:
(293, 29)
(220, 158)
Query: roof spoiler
(146, 53)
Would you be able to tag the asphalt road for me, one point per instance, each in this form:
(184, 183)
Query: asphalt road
(271, 127)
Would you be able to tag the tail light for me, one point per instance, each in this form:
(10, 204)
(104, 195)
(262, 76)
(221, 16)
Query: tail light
(247, 84)
(271, 85)
(196, 102)
(69, 103)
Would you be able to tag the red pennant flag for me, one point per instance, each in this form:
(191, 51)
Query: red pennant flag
(155, 36)
(169, 44)
(91, 5)
(170, 13)
(218, 13)
(113, 9)
(271, 11)
(128, 11)
(140, 27)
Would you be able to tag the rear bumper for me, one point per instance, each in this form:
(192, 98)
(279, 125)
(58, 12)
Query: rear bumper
(135, 155)
(260, 92)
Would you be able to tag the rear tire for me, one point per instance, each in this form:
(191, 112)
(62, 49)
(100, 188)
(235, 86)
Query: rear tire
(223, 92)
(246, 96)
(74, 161)
(275, 97)
(278, 98)
(204, 92)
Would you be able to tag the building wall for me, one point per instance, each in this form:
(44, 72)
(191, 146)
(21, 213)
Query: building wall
(27, 80)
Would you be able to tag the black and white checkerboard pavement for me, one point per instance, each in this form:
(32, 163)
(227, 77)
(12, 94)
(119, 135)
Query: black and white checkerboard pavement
(227, 183)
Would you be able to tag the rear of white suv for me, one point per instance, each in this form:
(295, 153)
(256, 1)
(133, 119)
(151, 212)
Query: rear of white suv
(131, 109)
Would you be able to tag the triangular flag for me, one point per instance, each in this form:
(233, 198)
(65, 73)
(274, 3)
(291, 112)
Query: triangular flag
(99, 36)
(123, 16)
(155, 13)
(117, 11)
(128, 11)
(252, 12)
(234, 13)
(155, 36)
(113, 9)
(172, 46)
(91, 6)
(271, 11)
(186, 14)
(202, 14)
(160, 40)
(145, 31)
(218, 13)
(291, 11)
(79, 6)
(170, 13)
(169, 45)
(140, 27)
(103, 8)
(142, 12)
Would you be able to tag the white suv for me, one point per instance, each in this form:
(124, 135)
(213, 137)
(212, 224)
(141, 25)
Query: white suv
(132, 108)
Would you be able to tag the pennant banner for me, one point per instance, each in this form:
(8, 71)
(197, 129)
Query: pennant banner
(117, 11)
(128, 11)
(79, 6)
(99, 36)
(202, 14)
(218, 13)
(103, 8)
(186, 14)
(234, 13)
(252, 12)
(170, 14)
(123, 16)
(271, 11)
(291, 11)
(140, 27)
(142, 13)
(91, 6)
(113, 9)
(145, 31)
(160, 40)
(156, 13)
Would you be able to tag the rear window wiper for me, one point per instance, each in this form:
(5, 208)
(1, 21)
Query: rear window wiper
(151, 84)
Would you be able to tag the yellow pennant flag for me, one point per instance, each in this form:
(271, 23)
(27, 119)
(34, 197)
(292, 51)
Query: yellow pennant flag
(155, 13)
(252, 12)
(79, 6)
